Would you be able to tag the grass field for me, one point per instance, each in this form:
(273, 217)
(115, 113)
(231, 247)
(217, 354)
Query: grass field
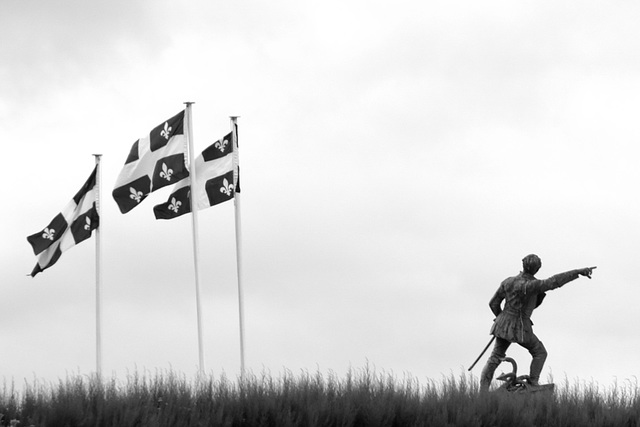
(361, 398)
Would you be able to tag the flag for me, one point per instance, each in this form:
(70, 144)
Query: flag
(155, 161)
(70, 227)
(216, 182)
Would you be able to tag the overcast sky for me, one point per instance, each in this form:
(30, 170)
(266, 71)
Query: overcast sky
(398, 161)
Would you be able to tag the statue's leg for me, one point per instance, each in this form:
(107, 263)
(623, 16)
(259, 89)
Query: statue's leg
(538, 354)
(499, 351)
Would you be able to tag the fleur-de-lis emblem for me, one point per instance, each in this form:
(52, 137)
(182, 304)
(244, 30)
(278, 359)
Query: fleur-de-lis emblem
(87, 226)
(135, 194)
(166, 172)
(175, 205)
(48, 233)
(221, 145)
(226, 187)
(166, 132)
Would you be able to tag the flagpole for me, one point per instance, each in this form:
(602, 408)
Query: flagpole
(98, 157)
(194, 219)
(236, 203)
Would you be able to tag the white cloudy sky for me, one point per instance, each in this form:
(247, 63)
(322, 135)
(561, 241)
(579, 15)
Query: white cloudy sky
(398, 158)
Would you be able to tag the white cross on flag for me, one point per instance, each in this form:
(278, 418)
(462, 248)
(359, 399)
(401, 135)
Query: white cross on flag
(155, 161)
(216, 182)
(70, 227)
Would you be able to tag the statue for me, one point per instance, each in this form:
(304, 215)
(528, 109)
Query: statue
(522, 294)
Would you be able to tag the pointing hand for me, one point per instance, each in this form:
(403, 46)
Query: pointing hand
(587, 271)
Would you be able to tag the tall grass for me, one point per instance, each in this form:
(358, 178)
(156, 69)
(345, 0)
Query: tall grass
(363, 397)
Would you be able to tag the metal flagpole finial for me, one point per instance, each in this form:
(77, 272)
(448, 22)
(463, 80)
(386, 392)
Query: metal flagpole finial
(189, 102)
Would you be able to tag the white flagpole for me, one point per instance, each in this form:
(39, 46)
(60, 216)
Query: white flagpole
(194, 217)
(98, 270)
(236, 203)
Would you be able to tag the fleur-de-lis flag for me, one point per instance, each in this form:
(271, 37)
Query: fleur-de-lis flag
(155, 161)
(216, 184)
(74, 224)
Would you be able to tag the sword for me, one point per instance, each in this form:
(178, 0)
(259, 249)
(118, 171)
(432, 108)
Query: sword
(483, 351)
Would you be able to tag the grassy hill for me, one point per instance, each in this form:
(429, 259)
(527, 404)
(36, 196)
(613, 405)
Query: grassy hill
(361, 398)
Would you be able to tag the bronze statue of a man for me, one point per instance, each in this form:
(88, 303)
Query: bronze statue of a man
(522, 294)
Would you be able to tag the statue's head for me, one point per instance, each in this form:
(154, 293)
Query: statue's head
(531, 264)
